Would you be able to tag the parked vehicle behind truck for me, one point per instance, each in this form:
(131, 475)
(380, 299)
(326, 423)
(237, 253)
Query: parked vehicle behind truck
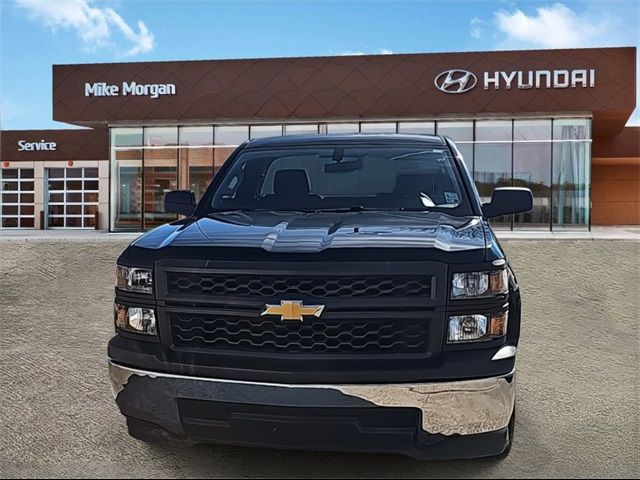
(336, 292)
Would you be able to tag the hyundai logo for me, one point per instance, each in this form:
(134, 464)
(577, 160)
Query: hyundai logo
(455, 81)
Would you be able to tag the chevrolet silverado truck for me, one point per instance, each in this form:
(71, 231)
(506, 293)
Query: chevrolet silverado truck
(334, 292)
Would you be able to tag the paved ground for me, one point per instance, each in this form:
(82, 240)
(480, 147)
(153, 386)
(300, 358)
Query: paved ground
(578, 374)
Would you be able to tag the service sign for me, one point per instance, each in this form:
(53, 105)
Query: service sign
(54, 145)
(42, 145)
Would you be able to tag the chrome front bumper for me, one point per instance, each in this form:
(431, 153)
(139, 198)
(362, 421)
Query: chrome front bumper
(454, 408)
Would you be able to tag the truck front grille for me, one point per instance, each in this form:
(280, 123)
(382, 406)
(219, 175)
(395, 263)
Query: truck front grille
(314, 336)
(266, 286)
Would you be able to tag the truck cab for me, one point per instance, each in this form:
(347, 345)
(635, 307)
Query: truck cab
(334, 292)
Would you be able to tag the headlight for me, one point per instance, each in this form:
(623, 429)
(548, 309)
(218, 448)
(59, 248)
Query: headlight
(135, 319)
(477, 328)
(479, 284)
(139, 280)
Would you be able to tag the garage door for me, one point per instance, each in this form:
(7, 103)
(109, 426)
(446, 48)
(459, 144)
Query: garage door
(16, 198)
(72, 197)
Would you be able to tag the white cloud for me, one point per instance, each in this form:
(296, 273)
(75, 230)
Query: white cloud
(476, 28)
(558, 26)
(381, 51)
(96, 27)
(554, 26)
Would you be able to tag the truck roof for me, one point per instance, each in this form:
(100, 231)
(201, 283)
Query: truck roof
(351, 138)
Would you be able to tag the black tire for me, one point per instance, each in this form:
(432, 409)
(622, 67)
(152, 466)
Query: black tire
(510, 432)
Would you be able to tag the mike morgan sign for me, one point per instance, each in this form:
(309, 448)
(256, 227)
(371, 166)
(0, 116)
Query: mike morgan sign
(134, 89)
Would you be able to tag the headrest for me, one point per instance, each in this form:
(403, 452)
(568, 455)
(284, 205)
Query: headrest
(291, 182)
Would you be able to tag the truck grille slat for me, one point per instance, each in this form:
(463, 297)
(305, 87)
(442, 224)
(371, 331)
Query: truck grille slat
(317, 336)
(254, 286)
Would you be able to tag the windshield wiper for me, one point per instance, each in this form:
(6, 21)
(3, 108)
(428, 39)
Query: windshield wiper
(353, 208)
(360, 208)
(245, 210)
(230, 210)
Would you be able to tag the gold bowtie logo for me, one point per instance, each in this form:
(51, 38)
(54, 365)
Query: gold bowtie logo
(292, 310)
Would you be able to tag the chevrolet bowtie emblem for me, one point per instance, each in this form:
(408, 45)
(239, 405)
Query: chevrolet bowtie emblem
(292, 310)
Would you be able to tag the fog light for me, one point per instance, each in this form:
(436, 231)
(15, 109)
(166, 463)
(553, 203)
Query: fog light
(467, 328)
(135, 319)
(477, 328)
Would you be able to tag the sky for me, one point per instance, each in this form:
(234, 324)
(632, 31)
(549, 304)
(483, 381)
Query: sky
(35, 34)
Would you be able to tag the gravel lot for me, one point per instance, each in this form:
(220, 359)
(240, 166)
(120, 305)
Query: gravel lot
(577, 395)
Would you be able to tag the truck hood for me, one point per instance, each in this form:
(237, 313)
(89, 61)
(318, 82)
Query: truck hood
(300, 232)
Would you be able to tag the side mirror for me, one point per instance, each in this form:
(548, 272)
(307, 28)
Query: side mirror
(507, 201)
(182, 202)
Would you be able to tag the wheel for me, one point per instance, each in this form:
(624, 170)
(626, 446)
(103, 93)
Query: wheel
(510, 432)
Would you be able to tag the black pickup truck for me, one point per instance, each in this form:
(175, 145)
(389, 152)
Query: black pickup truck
(336, 292)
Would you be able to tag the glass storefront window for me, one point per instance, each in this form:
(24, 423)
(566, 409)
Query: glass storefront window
(160, 136)
(301, 129)
(532, 169)
(126, 137)
(466, 150)
(126, 179)
(550, 156)
(196, 169)
(457, 131)
(199, 179)
(572, 129)
(492, 170)
(195, 164)
(424, 128)
(571, 172)
(377, 127)
(343, 128)
(233, 135)
(264, 131)
(126, 190)
(160, 178)
(227, 139)
(196, 136)
(493, 131)
(571, 183)
(220, 156)
(532, 130)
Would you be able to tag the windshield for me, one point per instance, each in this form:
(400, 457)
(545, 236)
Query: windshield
(348, 178)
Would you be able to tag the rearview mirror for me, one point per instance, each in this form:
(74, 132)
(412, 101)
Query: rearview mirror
(182, 202)
(344, 166)
(507, 201)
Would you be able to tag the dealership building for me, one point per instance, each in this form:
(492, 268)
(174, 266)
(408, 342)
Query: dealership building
(550, 120)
